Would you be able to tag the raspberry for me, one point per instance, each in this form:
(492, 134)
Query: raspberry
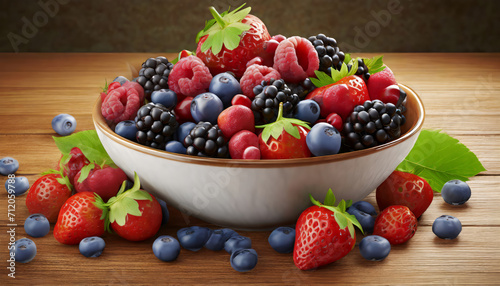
(296, 59)
(121, 104)
(254, 75)
(189, 77)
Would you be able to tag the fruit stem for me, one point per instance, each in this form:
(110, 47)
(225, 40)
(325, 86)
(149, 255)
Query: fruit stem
(280, 112)
(217, 17)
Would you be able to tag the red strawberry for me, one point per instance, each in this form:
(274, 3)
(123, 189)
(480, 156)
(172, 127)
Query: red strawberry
(324, 233)
(74, 164)
(47, 195)
(217, 47)
(134, 214)
(81, 216)
(405, 189)
(340, 97)
(396, 223)
(284, 139)
(378, 82)
(104, 181)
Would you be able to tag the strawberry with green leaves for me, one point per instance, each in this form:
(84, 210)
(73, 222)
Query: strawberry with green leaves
(81, 216)
(134, 214)
(230, 40)
(47, 195)
(324, 233)
(341, 91)
(284, 139)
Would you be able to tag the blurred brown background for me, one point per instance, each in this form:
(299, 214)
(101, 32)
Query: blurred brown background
(170, 26)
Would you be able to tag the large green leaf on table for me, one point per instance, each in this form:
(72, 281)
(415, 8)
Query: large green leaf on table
(437, 157)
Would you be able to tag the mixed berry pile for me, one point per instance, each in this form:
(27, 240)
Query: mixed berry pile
(242, 84)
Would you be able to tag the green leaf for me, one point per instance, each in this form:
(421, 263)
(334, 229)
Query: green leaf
(341, 206)
(125, 202)
(207, 44)
(375, 64)
(64, 180)
(341, 219)
(217, 42)
(277, 129)
(322, 79)
(439, 158)
(84, 173)
(231, 38)
(88, 142)
(236, 15)
(292, 130)
(329, 198)
(347, 58)
(266, 133)
(224, 30)
(140, 195)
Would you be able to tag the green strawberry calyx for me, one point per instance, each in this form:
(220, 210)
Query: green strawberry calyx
(224, 30)
(63, 180)
(343, 218)
(374, 65)
(124, 203)
(276, 128)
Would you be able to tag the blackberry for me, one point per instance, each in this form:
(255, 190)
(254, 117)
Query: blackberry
(266, 103)
(362, 70)
(154, 75)
(329, 53)
(206, 140)
(303, 88)
(371, 124)
(156, 125)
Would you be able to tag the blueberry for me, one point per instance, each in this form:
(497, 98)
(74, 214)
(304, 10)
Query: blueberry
(175, 147)
(228, 233)
(365, 213)
(8, 165)
(126, 129)
(219, 237)
(307, 110)
(164, 211)
(323, 139)
(24, 250)
(206, 107)
(64, 124)
(193, 238)
(374, 247)
(166, 248)
(225, 86)
(92, 246)
(237, 242)
(166, 97)
(243, 260)
(17, 185)
(447, 227)
(217, 240)
(456, 192)
(37, 225)
(120, 79)
(183, 131)
(282, 239)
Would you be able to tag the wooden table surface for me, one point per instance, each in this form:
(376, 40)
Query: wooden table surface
(461, 94)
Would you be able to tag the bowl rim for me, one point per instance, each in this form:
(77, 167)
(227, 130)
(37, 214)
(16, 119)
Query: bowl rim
(100, 123)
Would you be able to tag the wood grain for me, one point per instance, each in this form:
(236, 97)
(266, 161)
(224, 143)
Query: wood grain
(465, 105)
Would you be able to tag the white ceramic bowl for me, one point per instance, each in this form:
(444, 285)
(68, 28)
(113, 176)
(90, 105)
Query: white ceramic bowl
(258, 194)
